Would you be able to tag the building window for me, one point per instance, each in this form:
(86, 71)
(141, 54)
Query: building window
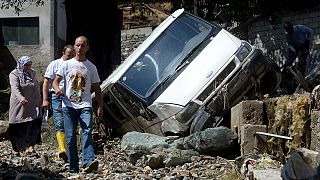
(20, 31)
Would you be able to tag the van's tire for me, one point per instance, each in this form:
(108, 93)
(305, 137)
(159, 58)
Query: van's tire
(272, 79)
(201, 122)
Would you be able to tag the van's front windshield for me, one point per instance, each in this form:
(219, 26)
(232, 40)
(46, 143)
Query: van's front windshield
(164, 56)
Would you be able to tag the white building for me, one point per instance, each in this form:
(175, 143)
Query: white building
(39, 32)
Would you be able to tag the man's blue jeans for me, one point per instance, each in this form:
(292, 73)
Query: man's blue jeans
(56, 106)
(71, 117)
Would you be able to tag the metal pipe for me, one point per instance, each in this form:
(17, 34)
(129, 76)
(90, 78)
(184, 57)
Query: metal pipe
(274, 135)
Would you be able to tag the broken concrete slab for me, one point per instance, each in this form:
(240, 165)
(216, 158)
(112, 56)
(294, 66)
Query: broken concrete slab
(250, 142)
(264, 174)
(246, 112)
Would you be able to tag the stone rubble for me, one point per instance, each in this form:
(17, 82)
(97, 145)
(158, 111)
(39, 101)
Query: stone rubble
(113, 164)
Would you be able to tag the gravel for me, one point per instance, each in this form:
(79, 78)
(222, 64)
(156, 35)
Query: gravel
(113, 164)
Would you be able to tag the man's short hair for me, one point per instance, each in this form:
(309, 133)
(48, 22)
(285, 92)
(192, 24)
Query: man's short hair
(67, 47)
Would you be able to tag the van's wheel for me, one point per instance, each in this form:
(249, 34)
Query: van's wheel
(201, 122)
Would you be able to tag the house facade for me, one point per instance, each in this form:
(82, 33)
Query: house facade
(37, 31)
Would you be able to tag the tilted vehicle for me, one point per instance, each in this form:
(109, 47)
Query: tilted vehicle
(184, 78)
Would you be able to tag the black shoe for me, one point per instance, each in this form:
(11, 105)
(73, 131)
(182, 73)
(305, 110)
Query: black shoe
(91, 166)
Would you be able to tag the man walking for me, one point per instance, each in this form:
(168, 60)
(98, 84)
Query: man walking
(56, 102)
(79, 76)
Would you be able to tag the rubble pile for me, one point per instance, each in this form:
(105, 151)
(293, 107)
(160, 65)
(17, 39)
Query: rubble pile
(113, 164)
(288, 116)
(153, 157)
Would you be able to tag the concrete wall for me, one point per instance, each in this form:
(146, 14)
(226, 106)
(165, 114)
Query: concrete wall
(43, 53)
(269, 35)
(61, 28)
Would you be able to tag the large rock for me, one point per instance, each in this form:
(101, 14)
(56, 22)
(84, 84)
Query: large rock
(302, 164)
(136, 144)
(210, 140)
(178, 157)
(158, 151)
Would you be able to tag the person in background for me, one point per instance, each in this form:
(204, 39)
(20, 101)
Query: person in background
(298, 39)
(25, 111)
(52, 102)
(80, 75)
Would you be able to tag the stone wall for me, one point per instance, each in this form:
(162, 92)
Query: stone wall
(269, 35)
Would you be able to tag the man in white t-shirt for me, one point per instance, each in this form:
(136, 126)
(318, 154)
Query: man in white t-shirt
(52, 102)
(79, 76)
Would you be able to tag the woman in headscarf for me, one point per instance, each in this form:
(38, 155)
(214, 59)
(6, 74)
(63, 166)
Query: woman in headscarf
(25, 115)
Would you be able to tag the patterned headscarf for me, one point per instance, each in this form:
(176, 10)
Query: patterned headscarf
(22, 61)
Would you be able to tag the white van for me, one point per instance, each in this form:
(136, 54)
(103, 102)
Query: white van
(184, 78)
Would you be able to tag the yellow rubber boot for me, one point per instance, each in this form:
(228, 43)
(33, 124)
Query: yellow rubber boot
(61, 138)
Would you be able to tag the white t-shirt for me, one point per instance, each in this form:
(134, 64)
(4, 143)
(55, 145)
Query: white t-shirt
(78, 78)
(52, 70)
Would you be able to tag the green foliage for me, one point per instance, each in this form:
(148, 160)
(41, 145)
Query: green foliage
(18, 5)
(236, 10)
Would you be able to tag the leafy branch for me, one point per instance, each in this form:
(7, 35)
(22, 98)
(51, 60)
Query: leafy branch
(18, 5)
